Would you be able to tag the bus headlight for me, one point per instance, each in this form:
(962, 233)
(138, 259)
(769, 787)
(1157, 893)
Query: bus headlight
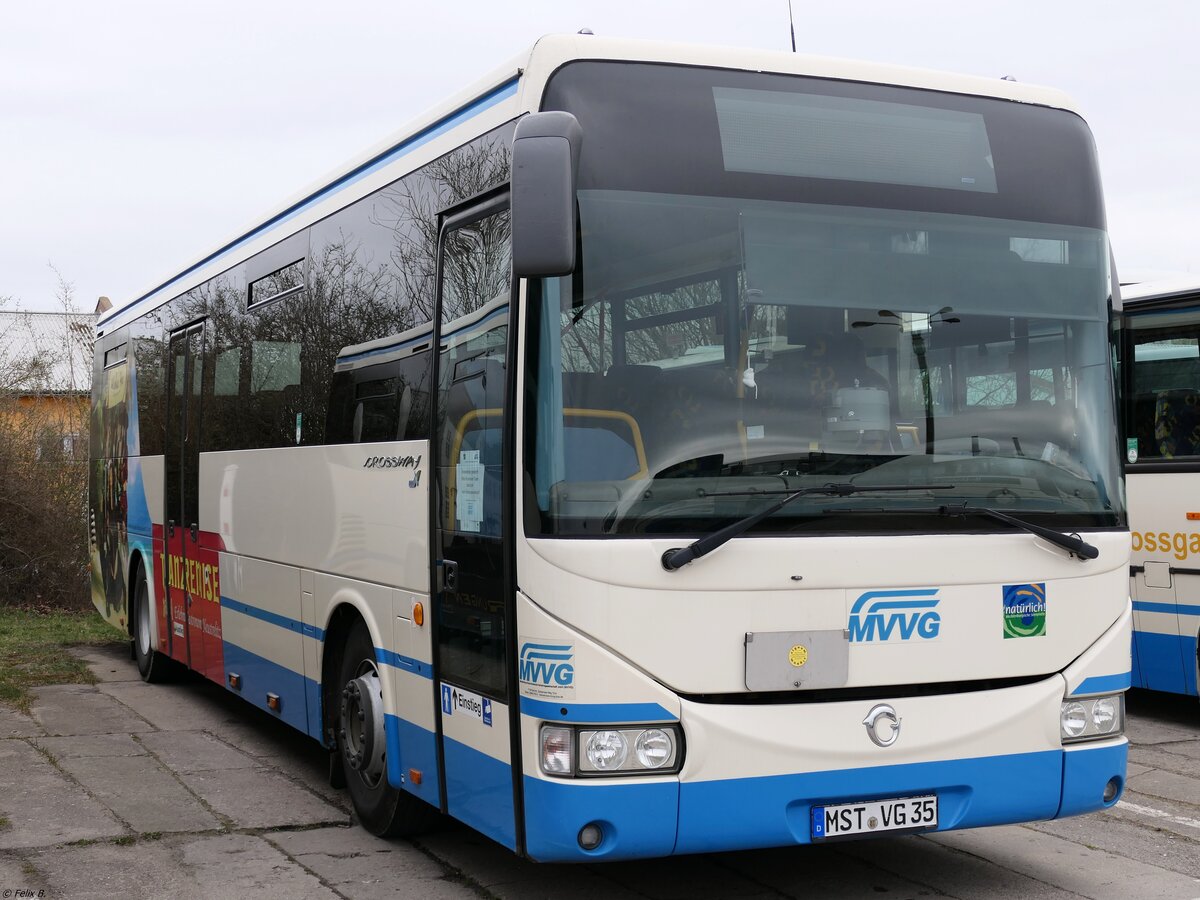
(572, 751)
(1074, 720)
(1104, 715)
(1092, 718)
(605, 751)
(654, 748)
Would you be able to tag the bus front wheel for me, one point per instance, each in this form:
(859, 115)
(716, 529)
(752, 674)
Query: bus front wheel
(383, 810)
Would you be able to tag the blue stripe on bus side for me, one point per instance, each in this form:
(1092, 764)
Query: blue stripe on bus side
(410, 746)
(265, 615)
(1103, 684)
(397, 661)
(312, 688)
(601, 713)
(382, 656)
(481, 796)
(1167, 662)
(435, 130)
(1182, 609)
(260, 675)
(480, 791)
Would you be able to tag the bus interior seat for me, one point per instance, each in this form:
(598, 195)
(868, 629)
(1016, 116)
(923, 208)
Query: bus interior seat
(629, 387)
(584, 390)
(1177, 423)
(795, 388)
(1144, 412)
(1022, 430)
(476, 383)
(697, 417)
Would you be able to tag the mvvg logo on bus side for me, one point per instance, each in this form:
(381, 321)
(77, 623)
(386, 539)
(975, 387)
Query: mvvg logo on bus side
(881, 616)
(548, 665)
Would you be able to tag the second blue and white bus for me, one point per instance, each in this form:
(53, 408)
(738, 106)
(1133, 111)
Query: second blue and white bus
(1161, 366)
(653, 450)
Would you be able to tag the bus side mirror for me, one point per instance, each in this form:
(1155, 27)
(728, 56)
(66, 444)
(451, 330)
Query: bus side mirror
(545, 160)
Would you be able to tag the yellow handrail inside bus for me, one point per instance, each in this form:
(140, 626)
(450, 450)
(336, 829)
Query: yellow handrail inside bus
(475, 415)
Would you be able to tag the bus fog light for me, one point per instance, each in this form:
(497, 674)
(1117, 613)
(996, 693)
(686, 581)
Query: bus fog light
(606, 750)
(556, 750)
(1112, 789)
(654, 748)
(1074, 719)
(590, 836)
(1104, 715)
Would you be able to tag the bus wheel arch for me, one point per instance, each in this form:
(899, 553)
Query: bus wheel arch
(353, 727)
(337, 628)
(153, 665)
(1196, 662)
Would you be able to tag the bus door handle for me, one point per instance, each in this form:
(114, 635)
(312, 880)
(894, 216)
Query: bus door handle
(449, 576)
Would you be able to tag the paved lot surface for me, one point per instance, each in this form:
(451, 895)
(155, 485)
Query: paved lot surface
(127, 790)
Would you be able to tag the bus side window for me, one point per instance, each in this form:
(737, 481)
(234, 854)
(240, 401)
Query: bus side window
(1165, 402)
(384, 402)
(413, 419)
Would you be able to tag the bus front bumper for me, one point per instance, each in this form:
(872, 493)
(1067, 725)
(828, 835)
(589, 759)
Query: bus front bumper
(720, 802)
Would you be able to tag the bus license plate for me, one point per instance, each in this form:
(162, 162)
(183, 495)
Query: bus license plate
(875, 816)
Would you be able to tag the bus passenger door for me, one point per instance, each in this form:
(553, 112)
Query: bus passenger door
(473, 594)
(182, 475)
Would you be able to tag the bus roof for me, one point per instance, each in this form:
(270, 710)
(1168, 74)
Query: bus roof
(1160, 287)
(553, 51)
(505, 93)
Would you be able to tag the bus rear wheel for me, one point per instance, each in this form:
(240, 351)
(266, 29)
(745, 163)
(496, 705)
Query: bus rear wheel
(1197, 661)
(154, 667)
(383, 810)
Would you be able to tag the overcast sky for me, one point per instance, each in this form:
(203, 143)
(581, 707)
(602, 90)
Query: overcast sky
(136, 135)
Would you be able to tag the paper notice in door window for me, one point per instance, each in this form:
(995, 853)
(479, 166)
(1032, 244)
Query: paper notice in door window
(469, 491)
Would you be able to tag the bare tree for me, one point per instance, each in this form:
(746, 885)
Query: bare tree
(43, 453)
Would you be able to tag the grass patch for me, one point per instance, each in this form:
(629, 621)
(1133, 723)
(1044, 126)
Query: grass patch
(33, 649)
(4, 823)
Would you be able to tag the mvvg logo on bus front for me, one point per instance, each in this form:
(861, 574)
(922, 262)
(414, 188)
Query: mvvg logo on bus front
(882, 616)
(548, 665)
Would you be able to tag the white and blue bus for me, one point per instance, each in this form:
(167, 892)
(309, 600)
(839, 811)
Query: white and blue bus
(1161, 374)
(653, 450)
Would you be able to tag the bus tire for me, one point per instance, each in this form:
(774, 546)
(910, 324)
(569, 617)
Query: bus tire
(383, 810)
(1197, 661)
(154, 667)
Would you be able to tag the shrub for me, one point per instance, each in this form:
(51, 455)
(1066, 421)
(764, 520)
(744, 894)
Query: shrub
(43, 459)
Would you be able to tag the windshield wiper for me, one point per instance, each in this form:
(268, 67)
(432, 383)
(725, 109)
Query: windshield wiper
(678, 557)
(1072, 543)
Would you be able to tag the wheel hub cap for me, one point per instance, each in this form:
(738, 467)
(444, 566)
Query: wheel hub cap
(363, 740)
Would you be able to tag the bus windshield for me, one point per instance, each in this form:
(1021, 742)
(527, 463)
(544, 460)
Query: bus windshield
(787, 314)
